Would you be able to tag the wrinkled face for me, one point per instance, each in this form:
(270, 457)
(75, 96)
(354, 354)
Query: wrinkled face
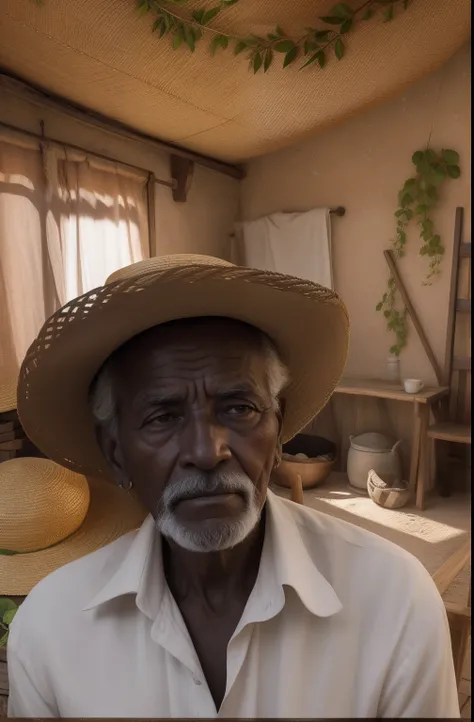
(197, 429)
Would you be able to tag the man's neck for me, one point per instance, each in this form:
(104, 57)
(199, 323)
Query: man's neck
(213, 579)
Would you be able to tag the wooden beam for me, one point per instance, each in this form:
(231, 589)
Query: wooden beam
(453, 292)
(389, 257)
(463, 305)
(462, 363)
(44, 98)
(465, 250)
(448, 571)
(182, 172)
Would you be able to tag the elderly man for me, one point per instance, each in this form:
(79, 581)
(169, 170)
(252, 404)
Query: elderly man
(179, 380)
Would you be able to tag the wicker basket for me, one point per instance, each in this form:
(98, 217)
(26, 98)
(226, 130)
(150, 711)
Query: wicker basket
(390, 493)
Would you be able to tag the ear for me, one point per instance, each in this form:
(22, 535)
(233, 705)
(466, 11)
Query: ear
(111, 451)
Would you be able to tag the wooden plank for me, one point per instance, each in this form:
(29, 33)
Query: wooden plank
(14, 445)
(451, 567)
(423, 452)
(465, 250)
(390, 258)
(453, 292)
(447, 431)
(462, 363)
(182, 172)
(463, 305)
(377, 388)
(459, 619)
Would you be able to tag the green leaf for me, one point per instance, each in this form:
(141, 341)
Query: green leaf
(291, 56)
(379, 306)
(210, 15)
(240, 47)
(190, 39)
(309, 47)
(229, 3)
(142, 8)
(339, 49)
(3, 640)
(9, 616)
(454, 171)
(198, 15)
(257, 62)
(346, 26)
(159, 25)
(369, 13)
(218, 41)
(177, 41)
(388, 14)
(279, 32)
(268, 59)
(330, 20)
(284, 46)
(7, 605)
(321, 58)
(341, 10)
(322, 35)
(451, 157)
(417, 157)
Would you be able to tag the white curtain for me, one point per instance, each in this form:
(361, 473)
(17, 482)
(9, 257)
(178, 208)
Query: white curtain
(295, 243)
(66, 223)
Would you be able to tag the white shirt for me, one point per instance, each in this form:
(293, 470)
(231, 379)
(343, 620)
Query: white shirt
(340, 623)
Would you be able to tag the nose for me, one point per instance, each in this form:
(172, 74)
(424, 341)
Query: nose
(204, 444)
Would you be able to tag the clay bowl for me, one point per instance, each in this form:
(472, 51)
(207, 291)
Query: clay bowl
(312, 472)
(390, 493)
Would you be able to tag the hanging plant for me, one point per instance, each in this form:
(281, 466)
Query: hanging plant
(417, 199)
(8, 609)
(187, 28)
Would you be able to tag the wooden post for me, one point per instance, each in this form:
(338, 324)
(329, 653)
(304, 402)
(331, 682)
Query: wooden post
(150, 197)
(413, 315)
(296, 489)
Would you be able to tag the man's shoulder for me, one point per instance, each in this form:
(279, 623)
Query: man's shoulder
(65, 592)
(334, 542)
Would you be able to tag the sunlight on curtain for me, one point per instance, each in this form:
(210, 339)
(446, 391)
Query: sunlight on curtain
(26, 289)
(65, 225)
(97, 224)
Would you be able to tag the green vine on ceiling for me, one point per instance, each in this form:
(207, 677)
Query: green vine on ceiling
(417, 200)
(187, 28)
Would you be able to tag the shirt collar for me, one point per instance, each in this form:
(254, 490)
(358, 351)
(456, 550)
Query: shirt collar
(285, 561)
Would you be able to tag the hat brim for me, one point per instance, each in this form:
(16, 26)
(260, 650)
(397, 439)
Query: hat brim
(308, 324)
(112, 513)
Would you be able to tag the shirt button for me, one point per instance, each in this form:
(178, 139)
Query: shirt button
(197, 681)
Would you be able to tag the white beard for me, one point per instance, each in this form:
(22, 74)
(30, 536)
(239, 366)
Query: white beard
(212, 535)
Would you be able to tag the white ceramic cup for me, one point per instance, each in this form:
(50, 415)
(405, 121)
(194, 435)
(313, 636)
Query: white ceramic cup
(412, 386)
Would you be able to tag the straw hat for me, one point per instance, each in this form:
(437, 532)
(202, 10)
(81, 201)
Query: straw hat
(50, 516)
(8, 388)
(307, 322)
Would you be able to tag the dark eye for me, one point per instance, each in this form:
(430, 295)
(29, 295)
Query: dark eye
(241, 410)
(162, 419)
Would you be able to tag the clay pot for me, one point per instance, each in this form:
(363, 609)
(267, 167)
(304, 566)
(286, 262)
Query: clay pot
(372, 451)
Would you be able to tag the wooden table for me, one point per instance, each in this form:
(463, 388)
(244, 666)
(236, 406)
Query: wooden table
(423, 402)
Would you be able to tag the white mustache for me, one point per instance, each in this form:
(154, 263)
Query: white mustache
(198, 483)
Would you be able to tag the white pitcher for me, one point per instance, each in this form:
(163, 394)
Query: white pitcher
(372, 451)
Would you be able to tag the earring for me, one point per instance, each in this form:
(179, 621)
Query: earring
(128, 487)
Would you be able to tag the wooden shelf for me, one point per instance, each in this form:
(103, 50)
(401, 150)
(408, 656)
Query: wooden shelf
(378, 388)
(447, 431)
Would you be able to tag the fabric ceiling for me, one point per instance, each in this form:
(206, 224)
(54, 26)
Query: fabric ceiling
(102, 56)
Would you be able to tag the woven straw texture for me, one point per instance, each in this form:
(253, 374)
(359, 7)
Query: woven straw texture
(8, 393)
(99, 54)
(41, 503)
(61, 364)
(33, 495)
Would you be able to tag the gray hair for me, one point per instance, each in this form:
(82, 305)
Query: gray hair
(103, 402)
